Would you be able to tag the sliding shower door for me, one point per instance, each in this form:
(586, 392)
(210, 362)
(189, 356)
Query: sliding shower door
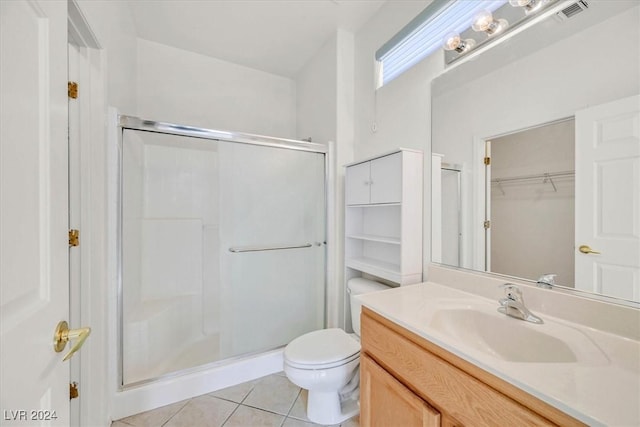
(272, 246)
(223, 250)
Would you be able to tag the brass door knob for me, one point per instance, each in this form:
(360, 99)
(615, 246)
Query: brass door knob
(63, 335)
(585, 249)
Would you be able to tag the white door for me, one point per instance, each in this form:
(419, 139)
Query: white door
(608, 198)
(34, 267)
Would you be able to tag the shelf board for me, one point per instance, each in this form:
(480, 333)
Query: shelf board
(374, 205)
(373, 238)
(386, 270)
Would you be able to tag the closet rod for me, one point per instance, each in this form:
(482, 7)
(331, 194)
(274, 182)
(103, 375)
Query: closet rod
(542, 176)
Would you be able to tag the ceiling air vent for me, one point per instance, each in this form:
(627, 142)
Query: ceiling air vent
(572, 10)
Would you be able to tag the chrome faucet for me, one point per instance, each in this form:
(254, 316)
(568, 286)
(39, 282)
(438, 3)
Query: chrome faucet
(513, 304)
(547, 281)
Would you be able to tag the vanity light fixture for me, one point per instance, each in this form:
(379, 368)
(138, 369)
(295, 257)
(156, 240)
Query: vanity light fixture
(453, 41)
(494, 18)
(528, 5)
(483, 21)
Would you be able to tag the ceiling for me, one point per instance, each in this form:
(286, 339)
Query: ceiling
(276, 36)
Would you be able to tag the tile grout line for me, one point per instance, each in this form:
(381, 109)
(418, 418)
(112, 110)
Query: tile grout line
(238, 405)
(176, 413)
(230, 415)
(286, 417)
(268, 410)
(263, 410)
(247, 395)
(294, 402)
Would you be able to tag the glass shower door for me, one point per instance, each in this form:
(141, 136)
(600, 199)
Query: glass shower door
(272, 234)
(223, 250)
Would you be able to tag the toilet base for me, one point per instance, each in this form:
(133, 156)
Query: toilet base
(326, 408)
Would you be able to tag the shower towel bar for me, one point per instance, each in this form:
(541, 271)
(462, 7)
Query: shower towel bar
(268, 248)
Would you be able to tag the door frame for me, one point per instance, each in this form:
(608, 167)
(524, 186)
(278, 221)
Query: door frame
(92, 215)
(481, 238)
(478, 247)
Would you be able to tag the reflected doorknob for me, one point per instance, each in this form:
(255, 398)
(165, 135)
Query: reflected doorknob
(63, 335)
(585, 249)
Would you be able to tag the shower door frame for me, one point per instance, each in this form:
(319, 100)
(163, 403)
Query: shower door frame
(125, 122)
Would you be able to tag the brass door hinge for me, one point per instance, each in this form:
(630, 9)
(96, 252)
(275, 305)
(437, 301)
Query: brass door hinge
(73, 390)
(487, 224)
(487, 161)
(74, 237)
(72, 90)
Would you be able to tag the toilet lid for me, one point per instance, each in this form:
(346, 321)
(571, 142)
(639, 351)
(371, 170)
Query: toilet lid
(321, 347)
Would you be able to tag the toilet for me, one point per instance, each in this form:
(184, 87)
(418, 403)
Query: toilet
(326, 362)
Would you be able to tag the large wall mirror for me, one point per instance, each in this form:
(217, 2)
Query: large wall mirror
(556, 110)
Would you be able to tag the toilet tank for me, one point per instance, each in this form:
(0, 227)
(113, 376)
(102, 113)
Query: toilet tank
(357, 286)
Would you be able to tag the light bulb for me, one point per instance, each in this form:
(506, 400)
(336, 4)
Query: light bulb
(482, 20)
(528, 5)
(519, 3)
(453, 41)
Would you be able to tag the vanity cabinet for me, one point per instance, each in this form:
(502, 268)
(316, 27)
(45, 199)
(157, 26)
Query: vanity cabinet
(405, 376)
(383, 217)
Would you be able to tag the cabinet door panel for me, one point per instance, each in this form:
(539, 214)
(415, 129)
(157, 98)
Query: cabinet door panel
(358, 184)
(385, 402)
(386, 179)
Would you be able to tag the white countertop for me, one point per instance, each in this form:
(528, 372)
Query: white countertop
(604, 389)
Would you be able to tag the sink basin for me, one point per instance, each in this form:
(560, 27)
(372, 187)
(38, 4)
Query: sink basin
(515, 340)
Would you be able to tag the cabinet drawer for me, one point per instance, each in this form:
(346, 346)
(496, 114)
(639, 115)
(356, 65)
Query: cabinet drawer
(449, 389)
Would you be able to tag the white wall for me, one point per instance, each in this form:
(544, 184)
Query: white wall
(114, 27)
(325, 109)
(587, 68)
(400, 110)
(316, 93)
(183, 87)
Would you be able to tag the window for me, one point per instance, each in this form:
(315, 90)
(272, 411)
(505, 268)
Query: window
(425, 33)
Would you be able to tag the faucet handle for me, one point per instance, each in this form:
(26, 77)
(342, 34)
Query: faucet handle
(512, 292)
(547, 280)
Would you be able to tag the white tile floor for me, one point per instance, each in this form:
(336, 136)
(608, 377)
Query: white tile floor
(268, 401)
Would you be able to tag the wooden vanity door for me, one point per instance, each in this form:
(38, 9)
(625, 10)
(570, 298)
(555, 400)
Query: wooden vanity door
(385, 402)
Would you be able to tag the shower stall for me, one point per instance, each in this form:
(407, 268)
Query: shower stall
(222, 246)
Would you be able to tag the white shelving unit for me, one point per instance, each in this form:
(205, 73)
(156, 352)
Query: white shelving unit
(383, 217)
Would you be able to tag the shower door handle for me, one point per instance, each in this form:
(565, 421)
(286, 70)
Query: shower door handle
(239, 249)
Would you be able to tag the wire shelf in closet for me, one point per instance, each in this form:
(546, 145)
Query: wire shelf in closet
(546, 177)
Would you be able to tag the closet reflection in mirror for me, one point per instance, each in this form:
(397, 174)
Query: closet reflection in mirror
(548, 206)
(530, 202)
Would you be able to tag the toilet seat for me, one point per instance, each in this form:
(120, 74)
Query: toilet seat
(323, 349)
